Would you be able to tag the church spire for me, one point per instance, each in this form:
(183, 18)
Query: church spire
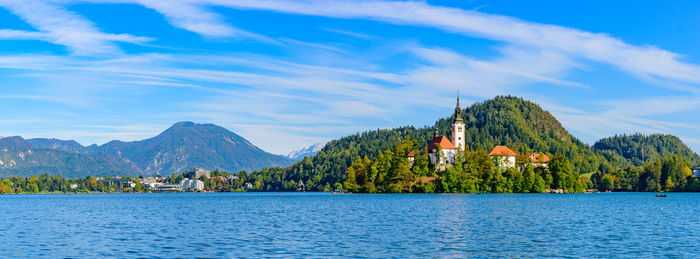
(458, 127)
(457, 98)
(458, 110)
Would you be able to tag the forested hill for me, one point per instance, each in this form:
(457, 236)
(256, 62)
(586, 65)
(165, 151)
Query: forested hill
(517, 123)
(639, 148)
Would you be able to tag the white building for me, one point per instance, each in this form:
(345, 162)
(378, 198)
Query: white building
(447, 151)
(191, 185)
(503, 157)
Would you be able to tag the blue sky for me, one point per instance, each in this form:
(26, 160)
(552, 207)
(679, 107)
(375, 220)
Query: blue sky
(287, 74)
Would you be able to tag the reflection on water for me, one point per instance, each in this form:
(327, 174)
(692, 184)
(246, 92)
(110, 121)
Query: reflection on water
(325, 225)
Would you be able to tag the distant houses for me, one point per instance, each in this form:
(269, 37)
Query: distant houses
(190, 183)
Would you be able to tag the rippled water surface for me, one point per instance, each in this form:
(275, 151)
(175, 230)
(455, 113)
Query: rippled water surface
(326, 225)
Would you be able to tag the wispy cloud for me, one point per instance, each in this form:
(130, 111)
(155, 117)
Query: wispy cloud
(196, 18)
(6, 34)
(349, 33)
(643, 115)
(643, 61)
(63, 27)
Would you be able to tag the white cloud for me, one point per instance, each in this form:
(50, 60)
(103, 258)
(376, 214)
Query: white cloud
(643, 61)
(196, 18)
(63, 27)
(6, 34)
(349, 33)
(627, 116)
(651, 106)
(647, 62)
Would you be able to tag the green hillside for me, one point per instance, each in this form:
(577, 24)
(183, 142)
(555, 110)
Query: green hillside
(505, 120)
(639, 148)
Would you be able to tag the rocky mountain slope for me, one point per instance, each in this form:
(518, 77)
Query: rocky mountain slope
(183, 146)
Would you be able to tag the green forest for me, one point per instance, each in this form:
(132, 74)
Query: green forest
(46, 183)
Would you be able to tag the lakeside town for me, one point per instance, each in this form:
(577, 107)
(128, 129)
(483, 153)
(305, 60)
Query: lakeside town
(194, 180)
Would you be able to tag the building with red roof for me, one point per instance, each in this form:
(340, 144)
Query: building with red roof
(539, 159)
(502, 151)
(441, 141)
(446, 154)
(503, 156)
(411, 157)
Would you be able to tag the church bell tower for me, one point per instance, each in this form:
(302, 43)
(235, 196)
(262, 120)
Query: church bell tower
(458, 127)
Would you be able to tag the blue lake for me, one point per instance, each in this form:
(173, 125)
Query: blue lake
(326, 225)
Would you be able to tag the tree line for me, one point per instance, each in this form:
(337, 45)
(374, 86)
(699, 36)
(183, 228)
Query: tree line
(473, 172)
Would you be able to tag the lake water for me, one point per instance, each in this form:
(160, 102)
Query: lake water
(326, 225)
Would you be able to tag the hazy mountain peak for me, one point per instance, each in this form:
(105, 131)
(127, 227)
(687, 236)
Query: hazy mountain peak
(58, 144)
(187, 145)
(307, 151)
(14, 143)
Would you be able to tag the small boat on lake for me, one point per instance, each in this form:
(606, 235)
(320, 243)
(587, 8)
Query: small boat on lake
(661, 195)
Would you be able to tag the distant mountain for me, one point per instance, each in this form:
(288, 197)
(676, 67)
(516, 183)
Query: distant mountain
(183, 146)
(19, 157)
(304, 152)
(639, 148)
(63, 145)
(188, 145)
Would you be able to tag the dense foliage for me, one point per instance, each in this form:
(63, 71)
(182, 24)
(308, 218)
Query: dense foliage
(670, 173)
(475, 172)
(640, 149)
(46, 183)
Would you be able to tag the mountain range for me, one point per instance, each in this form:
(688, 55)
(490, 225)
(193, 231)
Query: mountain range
(183, 146)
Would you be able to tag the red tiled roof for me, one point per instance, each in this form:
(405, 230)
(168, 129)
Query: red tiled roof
(539, 158)
(502, 151)
(425, 179)
(411, 154)
(443, 141)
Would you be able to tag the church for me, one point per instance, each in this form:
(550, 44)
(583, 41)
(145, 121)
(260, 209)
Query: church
(441, 150)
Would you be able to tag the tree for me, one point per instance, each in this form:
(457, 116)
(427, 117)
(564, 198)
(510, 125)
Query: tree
(528, 179)
(607, 182)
